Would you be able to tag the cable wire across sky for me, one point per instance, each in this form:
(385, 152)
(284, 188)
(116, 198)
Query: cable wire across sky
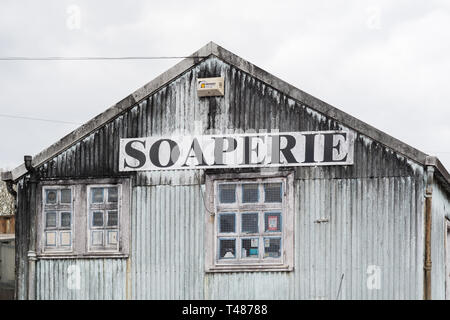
(38, 119)
(94, 58)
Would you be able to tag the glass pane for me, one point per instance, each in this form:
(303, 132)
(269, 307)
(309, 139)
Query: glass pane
(112, 194)
(66, 196)
(112, 237)
(250, 193)
(250, 248)
(272, 221)
(227, 193)
(97, 238)
(249, 222)
(50, 219)
(51, 196)
(65, 238)
(97, 219)
(65, 219)
(227, 248)
(97, 195)
(227, 222)
(50, 239)
(112, 218)
(272, 192)
(272, 247)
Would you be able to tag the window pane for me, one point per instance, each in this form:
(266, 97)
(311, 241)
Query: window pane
(50, 219)
(272, 247)
(97, 238)
(272, 192)
(97, 195)
(112, 237)
(112, 194)
(272, 221)
(97, 219)
(65, 238)
(50, 239)
(227, 222)
(249, 222)
(112, 218)
(250, 248)
(66, 196)
(227, 193)
(51, 196)
(227, 248)
(250, 193)
(65, 219)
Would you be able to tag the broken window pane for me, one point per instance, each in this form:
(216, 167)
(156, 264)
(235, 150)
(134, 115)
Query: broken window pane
(97, 195)
(112, 194)
(227, 248)
(65, 219)
(112, 218)
(272, 221)
(272, 247)
(227, 222)
(250, 193)
(50, 220)
(249, 222)
(51, 196)
(250, 248)
(272, 192)
(227, 193)
(97, 219)
(66, 196)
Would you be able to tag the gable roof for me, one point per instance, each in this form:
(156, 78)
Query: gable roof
(212, 49)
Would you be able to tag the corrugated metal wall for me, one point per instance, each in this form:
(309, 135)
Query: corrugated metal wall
(375, 206)
(372, 222)
(81, 279)
(440, 208)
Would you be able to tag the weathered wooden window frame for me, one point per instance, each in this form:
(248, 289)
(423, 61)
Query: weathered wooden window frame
(104, 228)
(58, 208)
(286, 262)
(80, 219)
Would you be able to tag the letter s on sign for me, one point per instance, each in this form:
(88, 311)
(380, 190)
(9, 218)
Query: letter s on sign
(134, 153)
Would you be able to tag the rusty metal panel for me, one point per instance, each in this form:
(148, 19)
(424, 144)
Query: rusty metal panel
(7, 224)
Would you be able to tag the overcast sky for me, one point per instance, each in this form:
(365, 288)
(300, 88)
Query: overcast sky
(384, 62)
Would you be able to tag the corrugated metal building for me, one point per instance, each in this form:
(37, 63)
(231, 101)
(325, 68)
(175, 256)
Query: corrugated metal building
(374, 227)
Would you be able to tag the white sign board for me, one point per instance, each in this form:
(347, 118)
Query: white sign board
(237, 151)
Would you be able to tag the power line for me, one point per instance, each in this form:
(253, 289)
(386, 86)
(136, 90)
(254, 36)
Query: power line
(37, 119)
(93, 58)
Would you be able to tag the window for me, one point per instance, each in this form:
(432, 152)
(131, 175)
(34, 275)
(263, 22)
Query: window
(84, 218)
(251, 225)
(58, 218)
(103, 217)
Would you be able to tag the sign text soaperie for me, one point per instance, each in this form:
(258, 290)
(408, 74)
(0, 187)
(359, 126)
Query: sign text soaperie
(237, 150)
